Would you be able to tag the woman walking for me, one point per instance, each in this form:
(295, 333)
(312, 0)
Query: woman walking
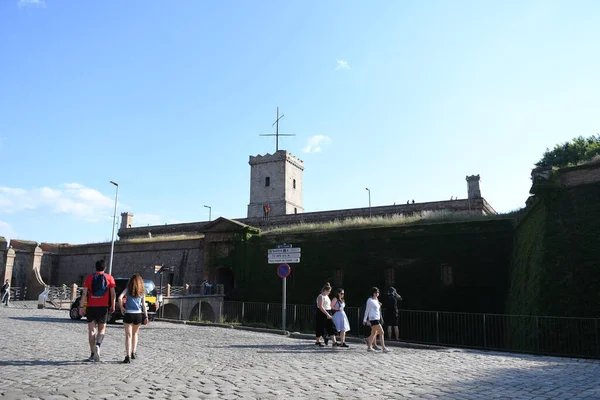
(323, 319)
(134, 314)
(340, 319)
(373, 316)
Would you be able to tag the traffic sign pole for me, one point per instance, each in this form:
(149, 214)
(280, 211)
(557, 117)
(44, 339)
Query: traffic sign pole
(283, 306)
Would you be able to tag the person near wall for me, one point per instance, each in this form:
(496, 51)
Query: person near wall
(340, 319)
(6, 293)
(390, 304)
(99, 291)
(323, 318)
(373, 317)
(134, 314)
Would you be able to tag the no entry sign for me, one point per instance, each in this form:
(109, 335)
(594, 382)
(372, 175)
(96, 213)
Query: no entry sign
(283, 270)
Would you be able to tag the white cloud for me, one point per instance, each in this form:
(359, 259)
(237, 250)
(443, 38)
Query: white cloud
(31, 3)
(342, 64)
(71, 198)
(314, 143)
(7, 231)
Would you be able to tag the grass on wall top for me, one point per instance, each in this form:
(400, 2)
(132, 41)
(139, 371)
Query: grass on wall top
(384, 221)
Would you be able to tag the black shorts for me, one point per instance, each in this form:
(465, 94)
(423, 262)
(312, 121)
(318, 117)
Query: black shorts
(97, 314)
(374, 323)
(133, 318)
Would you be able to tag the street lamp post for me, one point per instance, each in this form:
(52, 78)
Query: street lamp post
(209, 212)
(112, 241)
(369, 190)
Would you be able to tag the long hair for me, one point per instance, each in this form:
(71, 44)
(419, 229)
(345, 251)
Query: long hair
(135, 286)
(338, 296)
(326, 287)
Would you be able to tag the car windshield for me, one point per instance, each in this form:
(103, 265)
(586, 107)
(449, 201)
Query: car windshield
(148, 285)
(150, 288)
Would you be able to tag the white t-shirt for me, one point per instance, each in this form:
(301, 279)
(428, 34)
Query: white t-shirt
(372, 310)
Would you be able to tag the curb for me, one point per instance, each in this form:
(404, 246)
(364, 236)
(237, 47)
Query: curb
(298, 335)
(196, 323)
(360, 340)
(263, 330)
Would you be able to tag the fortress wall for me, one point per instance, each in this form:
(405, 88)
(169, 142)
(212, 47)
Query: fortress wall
(186, 256)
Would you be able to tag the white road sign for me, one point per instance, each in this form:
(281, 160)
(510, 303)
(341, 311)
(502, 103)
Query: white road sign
(290, 260)
(292, 250)
(282, 256)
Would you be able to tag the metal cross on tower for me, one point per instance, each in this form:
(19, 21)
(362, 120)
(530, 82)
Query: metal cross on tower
(277, 134)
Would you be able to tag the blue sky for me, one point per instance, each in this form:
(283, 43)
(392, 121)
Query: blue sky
(169, 98)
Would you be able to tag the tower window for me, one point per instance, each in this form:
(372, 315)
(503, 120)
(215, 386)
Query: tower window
(267, 181)
(294, 184)
(295, 210)
(447, 275)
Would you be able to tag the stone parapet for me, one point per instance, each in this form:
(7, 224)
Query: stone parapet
(581, 175)
(281, 155)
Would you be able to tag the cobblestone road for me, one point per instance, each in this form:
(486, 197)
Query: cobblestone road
(42, 355)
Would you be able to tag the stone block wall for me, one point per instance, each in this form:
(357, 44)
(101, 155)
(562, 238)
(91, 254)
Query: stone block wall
(581, 175)
(186, 256)
(22, 263)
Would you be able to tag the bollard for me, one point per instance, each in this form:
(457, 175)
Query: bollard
(73, 292)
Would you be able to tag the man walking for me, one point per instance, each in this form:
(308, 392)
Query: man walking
(99, 291)
(391, 312)
(6, 293)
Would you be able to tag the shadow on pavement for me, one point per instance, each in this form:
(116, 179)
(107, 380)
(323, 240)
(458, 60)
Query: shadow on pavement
(44, 319)
(285, 348)
(31, 363)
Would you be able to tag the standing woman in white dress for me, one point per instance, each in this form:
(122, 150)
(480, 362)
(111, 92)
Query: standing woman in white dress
(340, 319)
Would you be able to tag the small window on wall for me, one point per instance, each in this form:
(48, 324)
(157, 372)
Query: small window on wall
(390, 276)
(447, 276)
(295, 210)
(294, 184)
(339, 277)
(267, 181)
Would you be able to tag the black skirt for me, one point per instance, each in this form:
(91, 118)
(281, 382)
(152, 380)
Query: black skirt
(320, 320)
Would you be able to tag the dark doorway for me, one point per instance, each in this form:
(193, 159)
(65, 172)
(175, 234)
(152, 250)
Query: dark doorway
(225, 277)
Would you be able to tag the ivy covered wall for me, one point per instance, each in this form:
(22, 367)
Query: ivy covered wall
(476, 256)
(556, 263)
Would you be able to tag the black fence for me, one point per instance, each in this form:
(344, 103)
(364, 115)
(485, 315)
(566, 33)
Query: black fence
(558, 336)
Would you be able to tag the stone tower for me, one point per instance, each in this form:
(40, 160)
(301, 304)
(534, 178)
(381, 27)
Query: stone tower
(126, 220)
(275, 185)
(473, 190)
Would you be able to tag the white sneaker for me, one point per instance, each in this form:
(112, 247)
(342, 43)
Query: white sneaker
(386, 350)
(376, 348)
(370, 349)
(97, 354)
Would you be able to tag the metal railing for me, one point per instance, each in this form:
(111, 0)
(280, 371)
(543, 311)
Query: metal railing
(192, 290)
(559, 336)
(18, 293)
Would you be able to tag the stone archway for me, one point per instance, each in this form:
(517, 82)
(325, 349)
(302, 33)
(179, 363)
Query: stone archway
(206, 313)
(226, 278)
(168, 311)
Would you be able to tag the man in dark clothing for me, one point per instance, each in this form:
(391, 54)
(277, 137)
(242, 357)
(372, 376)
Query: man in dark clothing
(390, 304)
(6, 293)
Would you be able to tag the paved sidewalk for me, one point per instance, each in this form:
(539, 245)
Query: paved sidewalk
(42, 355)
